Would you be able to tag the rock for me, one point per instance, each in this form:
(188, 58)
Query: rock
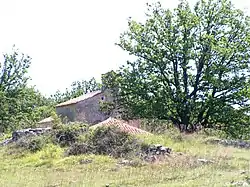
(5, 142)
(245, 184)
(205, 161)
(234, 143)
(155, 152)
(29, 132)
(124, 162)
(169, 150)
(16, 135)
(85, 161)
(133, 163)
(158, 146)
(163, 149)
(240, 183)
(243, 172)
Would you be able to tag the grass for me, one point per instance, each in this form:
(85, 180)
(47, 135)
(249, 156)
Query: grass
(50, 167)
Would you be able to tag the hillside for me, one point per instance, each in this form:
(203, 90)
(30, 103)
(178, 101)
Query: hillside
(192, 162)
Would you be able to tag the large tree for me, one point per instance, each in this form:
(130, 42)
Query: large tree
(191, 64)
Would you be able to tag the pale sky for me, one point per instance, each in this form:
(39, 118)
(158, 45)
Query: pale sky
(71, 40)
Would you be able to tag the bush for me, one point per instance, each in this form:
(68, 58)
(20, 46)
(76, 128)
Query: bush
(107, 141)
(32, 144)
(80, 148)
(66, 135)
(156, 126)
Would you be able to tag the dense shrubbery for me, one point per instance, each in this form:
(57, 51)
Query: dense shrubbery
(66, 135)
(156, 126)
(63, 135)
(78, 139)
(80, 148)
(33, 144)
(107, 141)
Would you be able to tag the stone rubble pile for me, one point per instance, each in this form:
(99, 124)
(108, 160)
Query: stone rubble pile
(16, 135)
(154, 152)
(234, 143)
(151, 154)
(158, 150)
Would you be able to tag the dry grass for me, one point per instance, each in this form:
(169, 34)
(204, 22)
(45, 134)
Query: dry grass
(49, 167)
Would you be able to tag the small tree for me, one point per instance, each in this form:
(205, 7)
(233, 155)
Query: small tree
(13, 79)
(20, 105)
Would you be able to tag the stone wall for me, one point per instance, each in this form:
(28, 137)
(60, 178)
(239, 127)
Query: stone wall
(68, 111)
(87, 111)
(16, 135)
(233, 143)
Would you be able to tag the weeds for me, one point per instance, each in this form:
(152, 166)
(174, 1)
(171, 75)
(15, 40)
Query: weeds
(49, 166)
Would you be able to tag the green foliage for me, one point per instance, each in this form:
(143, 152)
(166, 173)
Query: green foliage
(56, 120)
(66, 135)
(107, 141)
(80, 148)
(190, 65)
(239, 128)
(76, 89)
(107, 107)
(49, 167)
(156, 126)
(112, 81)
(32, 144)
(112, 141)
(20, 105)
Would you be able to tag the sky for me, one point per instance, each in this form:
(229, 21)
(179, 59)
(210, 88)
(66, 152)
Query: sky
(70, 40)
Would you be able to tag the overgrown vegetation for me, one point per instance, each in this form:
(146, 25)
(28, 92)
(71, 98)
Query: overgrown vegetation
(32, 144)
(66, 135)
(202, 81)
(20, 105)
(108, 141)
(191, 67)
(50, 167)
(77, 139)
(191, 71)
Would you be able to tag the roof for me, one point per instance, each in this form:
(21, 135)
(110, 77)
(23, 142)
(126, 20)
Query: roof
(121, 125)
(46, 120)
(80, 98)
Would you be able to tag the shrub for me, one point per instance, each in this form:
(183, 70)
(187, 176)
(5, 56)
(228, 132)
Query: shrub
(107, 141)
(112, 141)
(156, 126)
(32, 144)
(80, 148)
(66, 135)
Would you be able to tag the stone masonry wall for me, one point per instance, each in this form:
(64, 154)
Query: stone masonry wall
(87, 111)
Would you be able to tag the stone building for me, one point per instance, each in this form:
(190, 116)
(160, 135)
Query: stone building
(85, 108)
